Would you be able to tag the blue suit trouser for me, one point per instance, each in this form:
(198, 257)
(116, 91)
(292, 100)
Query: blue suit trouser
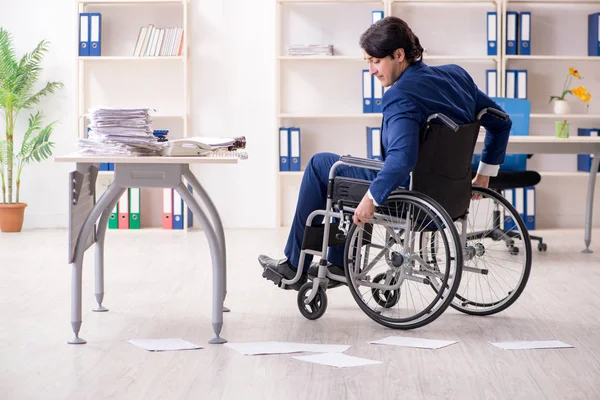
(313, 196)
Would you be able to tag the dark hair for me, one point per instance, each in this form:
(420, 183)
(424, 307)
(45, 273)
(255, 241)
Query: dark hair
(389, 34)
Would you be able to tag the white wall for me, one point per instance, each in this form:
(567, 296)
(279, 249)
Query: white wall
(232, 93)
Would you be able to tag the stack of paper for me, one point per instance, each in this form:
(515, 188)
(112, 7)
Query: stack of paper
(310, 50)
(120, 132)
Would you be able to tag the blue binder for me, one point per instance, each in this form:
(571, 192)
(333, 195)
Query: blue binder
(491, 82)
(521, 84)
(84, 34)
(509, 222)
(95, 34)
(512, 29)
(376, 15)
(525, 33)
(511, 84)
(584, 161)
(367, 90)
(519, 111)
(492, 33)
(374, 143)
(284, 149)
(377, 95)
(529, 208)
(594, 34)
(294, 149)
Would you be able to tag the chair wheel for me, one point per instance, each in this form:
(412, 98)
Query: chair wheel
(542, 247)
(385, 298)
(513, 250)
(316, 308)
(510, 243)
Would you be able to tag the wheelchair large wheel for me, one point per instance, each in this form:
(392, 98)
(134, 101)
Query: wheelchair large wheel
(386, 275)
(497, 256)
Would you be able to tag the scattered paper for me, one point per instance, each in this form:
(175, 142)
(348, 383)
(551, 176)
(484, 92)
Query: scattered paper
(164, 344)
(319, 348)
(339, 360)
(414, 342)
(255, 348)
(533, 344)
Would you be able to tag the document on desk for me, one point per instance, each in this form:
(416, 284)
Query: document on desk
(337, 360)
(170, 344)
(532, 344)
(414, 342)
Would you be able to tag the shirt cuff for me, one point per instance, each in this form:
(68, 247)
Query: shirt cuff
(371, 197)
(487, 169)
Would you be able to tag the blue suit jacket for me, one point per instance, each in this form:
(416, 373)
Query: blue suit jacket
(421, 91)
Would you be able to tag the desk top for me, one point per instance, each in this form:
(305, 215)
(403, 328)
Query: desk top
(548, 145)
(76, 157)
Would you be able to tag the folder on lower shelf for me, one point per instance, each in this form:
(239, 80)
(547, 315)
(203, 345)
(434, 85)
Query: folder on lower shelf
(509, 223)
(134, 208)
(530, 208)
(167, 214)
(124, 211)
(113, 221)
(177, 210)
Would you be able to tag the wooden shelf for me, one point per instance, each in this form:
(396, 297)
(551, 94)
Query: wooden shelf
(566, 116)
(136, 2)
(129, 58)
(332, 116)
(553, 58)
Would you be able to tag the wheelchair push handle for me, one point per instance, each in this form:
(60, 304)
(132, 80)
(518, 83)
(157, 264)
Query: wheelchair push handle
(493, 111)
(447, 121)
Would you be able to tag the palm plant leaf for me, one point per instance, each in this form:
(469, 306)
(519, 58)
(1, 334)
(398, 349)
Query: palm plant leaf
(39, 147)
(8, 68)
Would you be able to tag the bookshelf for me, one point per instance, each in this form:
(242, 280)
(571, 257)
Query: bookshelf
(120, 77)
(334, 120)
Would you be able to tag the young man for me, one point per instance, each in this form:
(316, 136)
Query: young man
(415, 91)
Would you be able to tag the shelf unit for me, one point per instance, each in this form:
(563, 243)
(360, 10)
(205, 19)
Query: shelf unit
(345, 58)
(117, 78)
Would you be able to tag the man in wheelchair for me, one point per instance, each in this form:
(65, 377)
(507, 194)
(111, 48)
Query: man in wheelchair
(418, 94)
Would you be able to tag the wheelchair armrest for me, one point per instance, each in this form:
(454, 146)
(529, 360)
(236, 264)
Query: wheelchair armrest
(362, 162)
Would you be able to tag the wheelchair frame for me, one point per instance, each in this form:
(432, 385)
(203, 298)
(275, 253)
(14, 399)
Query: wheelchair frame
(344, 215)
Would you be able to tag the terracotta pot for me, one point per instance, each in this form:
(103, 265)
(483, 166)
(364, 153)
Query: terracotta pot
(11, 216)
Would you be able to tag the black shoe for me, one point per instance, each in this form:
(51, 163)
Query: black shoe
(276, 270)
(313, 270)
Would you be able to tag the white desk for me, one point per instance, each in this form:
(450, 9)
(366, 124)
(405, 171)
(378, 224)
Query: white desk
(137, 172)
(554, 145)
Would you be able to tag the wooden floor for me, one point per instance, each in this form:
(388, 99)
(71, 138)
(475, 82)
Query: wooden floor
(158, 285)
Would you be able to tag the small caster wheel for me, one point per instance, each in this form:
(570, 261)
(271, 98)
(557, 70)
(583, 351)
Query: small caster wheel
(542, 247)
(316, 308)
(385, 298)
(513, 250)
(510, 243)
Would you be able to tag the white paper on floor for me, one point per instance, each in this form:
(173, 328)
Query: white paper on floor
(339, 360)
(164, 344)
(319, 348)
(532, 344)
(261, 348)
(414, 342)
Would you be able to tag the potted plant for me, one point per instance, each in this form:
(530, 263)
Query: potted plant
(561, 106)
(17, 93)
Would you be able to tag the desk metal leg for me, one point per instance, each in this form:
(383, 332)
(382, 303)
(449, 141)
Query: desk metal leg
(217, 224)
(589, 206)
(99, 266)
(217, 262)
(88, 226)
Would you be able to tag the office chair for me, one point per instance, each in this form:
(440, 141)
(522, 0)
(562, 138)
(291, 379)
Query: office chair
(517, 179)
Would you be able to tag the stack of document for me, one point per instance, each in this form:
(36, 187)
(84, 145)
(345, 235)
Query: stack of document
(120, 132)
(310, 50)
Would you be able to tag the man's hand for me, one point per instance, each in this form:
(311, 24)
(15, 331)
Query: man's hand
(481, 181)
(365, 211)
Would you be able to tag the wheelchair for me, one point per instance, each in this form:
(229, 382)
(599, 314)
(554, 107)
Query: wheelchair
(439, 243)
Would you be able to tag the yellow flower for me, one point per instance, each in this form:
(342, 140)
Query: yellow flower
(582, 93)
(574, 73)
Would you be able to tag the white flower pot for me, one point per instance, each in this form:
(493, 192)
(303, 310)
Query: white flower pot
(561, 107)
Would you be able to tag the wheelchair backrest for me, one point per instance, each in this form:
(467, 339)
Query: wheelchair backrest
(443, 169)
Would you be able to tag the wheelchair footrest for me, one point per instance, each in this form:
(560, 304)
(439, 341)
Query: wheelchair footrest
(276, 277)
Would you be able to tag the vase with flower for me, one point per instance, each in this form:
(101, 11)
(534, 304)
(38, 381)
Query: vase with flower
(561, 106)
